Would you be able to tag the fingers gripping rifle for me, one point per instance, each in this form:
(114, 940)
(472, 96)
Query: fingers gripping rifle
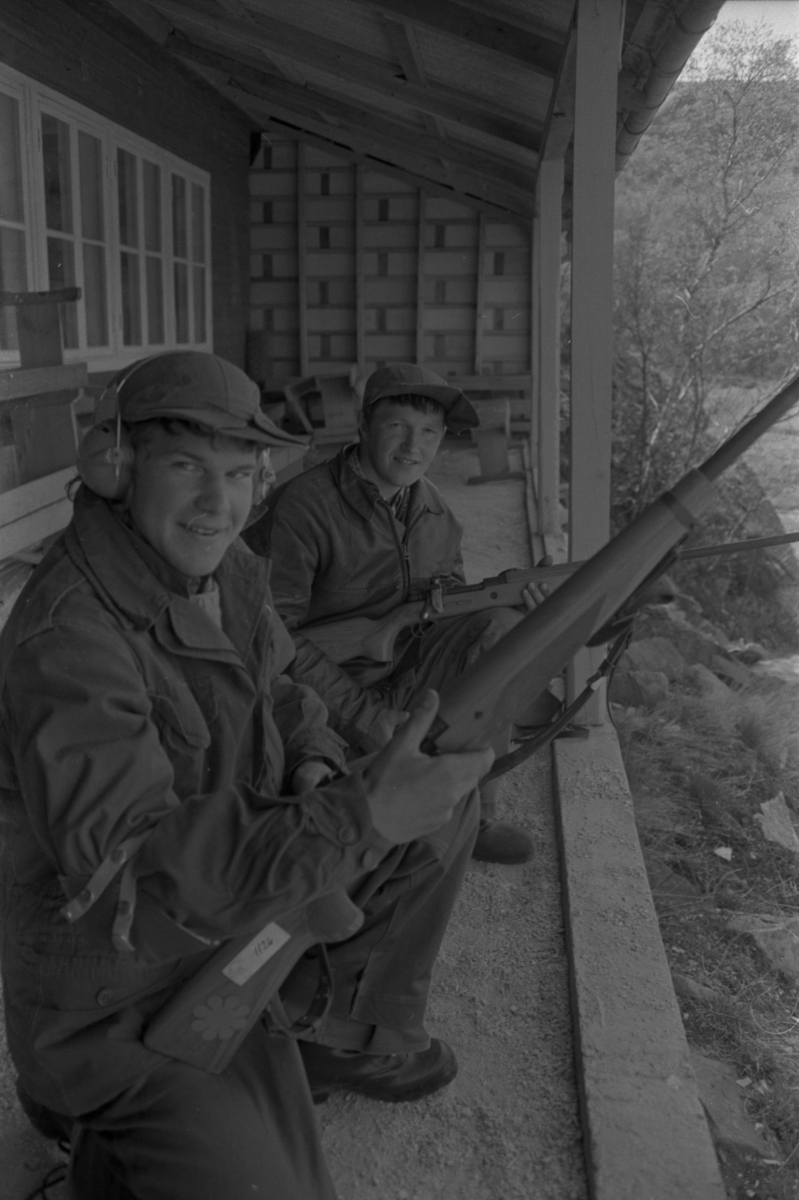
(486, 699)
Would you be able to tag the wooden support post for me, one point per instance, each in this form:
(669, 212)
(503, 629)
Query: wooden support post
(479, 312)
(546, 306)
(420, 279)
(535, 356)
(302, 264)
(360, 307)
(598, 41)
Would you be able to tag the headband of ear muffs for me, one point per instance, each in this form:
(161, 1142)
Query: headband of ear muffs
(105, 456)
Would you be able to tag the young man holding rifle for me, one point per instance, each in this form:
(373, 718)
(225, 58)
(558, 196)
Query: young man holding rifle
(166, 790)
(353, 537)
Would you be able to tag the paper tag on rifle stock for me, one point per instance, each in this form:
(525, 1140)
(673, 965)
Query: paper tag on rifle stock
(256, 953)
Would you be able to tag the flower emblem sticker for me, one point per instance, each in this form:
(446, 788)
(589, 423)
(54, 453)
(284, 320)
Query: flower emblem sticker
(220, 1018)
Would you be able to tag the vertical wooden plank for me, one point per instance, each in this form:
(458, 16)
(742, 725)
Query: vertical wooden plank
(360, 351)
(547, 330)
(535, 356)
(420, 280)
(598, 43)
(302, 273)
(479, 312)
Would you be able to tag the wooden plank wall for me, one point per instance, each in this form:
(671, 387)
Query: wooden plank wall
(390, 274)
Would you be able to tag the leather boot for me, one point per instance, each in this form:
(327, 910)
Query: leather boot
(499, 842)
(389, 1077)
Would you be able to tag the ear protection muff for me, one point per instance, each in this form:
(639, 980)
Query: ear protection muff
(265, 478)
(105, 455)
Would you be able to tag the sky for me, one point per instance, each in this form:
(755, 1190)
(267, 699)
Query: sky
(782, 16)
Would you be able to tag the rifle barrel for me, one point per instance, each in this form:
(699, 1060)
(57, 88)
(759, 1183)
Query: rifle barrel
(748, 434)
(777, 539)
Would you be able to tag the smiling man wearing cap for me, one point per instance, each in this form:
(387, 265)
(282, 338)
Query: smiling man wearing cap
(167, 789)
(352, 537)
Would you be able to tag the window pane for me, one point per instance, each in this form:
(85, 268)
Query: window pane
(13, 278)
(128, 200)
(57, 174)
(198, 223)
(155, 301)
(181, 303)
(198, 280)
(151, 180)
(179, 230)
(11, 174)
(91, 186)
(61, 273)
(94, 295)
(131, 300)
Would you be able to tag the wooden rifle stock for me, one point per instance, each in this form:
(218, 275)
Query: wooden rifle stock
(206, 1020)
(373, 638)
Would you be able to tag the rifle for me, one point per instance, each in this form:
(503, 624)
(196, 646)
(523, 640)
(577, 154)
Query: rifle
(228, 994)
(373, 638)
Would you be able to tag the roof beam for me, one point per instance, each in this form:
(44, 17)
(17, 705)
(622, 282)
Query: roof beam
(353, 67)
(420, 167)
(360, 121)
(538, 52)
(145, 17)
(403, 40)
(501, 212)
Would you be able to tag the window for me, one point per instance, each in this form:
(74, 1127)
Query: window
(267, 215)
(440, 236)
(499, 262)
(324, 293)
(324, 184)
(324, 237)
(499, 318)
(382, 210)
(84, 203)
(324, 345)
(382, 263)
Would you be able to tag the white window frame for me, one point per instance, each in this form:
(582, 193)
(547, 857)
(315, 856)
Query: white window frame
(34, 100)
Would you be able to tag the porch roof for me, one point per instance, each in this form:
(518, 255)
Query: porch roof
(464, 98)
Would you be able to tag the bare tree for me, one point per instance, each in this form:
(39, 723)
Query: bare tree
(706, 256)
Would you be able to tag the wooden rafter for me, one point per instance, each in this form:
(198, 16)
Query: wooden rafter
(403, 40)
(418, 168)
(502, 212)
(538, 52)
(310, 102)
(339, 62)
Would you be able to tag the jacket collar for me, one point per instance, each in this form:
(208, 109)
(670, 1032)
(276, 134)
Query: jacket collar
(364, 496)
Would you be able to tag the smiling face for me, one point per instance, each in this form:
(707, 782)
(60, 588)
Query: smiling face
(398, 444)
(191, 496)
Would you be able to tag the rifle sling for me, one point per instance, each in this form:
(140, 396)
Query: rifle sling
(547, 732)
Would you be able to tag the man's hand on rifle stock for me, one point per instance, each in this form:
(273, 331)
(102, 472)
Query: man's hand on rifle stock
(310, 775)
(412, 794)
(535, 594)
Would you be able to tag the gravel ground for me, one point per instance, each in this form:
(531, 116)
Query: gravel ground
(508, 1126)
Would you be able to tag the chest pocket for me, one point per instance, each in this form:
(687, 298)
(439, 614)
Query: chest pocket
(183, 716)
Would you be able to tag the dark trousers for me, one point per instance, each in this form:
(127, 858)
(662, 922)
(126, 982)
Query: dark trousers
(183, 1134)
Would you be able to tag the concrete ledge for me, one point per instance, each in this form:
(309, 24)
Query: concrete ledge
(646, 1137)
